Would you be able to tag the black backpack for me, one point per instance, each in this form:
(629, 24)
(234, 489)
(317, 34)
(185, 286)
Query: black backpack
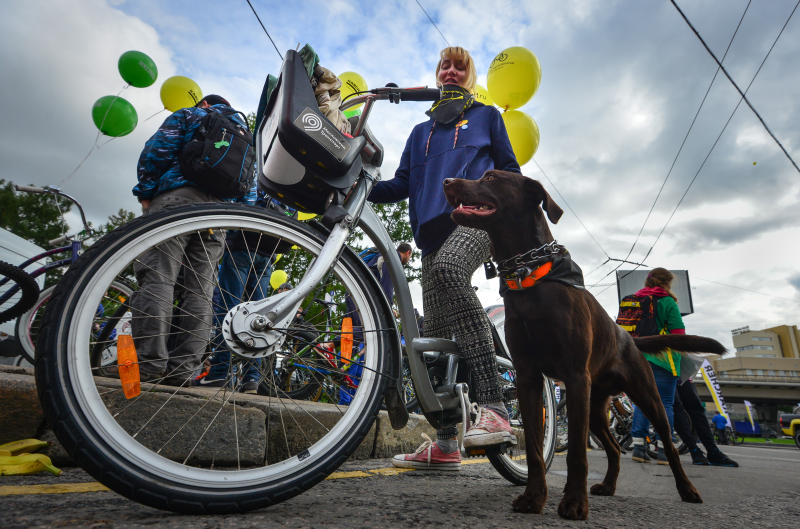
(220, 157)
(637, 315)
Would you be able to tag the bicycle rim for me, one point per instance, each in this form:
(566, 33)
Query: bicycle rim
(204, 449)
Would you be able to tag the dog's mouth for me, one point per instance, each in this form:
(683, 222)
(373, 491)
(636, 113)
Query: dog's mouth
(478, 209)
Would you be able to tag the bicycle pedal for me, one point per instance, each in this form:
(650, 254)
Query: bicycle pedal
(474, 452)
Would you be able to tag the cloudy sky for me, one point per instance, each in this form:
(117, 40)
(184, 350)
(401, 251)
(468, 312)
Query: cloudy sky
(621, 84)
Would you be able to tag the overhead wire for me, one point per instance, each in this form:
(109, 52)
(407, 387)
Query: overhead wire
(691, 183)
(742, 94)
(265, 29)
(677, 154)
(433, 23)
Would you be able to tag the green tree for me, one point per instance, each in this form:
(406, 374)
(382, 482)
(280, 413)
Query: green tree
(38, 218)
(115, 220)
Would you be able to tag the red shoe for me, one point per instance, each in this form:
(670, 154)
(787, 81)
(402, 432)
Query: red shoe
(429, 457)
(488, 429)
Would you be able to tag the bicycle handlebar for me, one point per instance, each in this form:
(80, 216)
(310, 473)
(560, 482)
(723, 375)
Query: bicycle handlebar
(56, 191)
(30, 189)
(393, 94)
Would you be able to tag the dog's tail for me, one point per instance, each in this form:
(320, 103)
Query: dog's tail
(687, 343)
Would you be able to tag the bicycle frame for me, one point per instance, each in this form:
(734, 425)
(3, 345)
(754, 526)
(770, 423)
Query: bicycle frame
(252, 325)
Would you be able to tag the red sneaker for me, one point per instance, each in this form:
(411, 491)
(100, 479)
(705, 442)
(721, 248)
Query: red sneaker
(488, 429)
(429, 457)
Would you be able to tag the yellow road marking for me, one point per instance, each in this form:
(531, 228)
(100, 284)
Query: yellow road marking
(53, 488)
(94, 486)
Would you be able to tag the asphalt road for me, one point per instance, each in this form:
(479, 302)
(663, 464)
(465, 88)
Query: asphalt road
(763, 492)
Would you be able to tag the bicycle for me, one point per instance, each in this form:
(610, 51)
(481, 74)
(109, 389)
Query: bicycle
(28, 323)
(159, 448)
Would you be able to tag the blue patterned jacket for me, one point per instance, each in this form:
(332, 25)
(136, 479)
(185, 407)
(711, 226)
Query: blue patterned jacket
(158, 169)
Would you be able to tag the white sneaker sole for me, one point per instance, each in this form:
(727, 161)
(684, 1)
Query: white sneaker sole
(489, 439)
(422, 465)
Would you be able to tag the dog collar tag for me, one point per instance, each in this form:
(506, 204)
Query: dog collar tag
(489, 269)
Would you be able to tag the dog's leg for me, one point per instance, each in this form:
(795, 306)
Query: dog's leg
(598, 423)
(646, 397)
(529, 394)
(575, 503)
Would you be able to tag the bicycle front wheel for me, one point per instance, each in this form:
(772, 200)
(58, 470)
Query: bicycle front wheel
(206, 449)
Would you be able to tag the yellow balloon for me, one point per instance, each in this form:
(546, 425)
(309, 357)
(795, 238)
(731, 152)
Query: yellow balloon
(514, 76)
(302, 215)
(277, 278)
(523, 133)
(277, 258)
(179, 92)
(352, 83)
(482, 95)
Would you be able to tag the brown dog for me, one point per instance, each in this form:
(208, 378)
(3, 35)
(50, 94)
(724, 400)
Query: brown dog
(561, 331)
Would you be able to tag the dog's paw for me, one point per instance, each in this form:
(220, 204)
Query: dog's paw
(528, 503)
(573, 509)
(601, 489)
(689, 494)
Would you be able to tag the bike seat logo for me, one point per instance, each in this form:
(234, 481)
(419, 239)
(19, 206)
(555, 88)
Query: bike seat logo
(311, 123)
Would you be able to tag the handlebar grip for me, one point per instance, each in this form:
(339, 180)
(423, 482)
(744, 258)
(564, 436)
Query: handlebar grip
(420, 94)
(30, 189)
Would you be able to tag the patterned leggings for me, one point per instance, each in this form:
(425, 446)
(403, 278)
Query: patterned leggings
(452, 308)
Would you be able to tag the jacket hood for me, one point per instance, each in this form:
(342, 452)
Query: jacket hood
(658, 292)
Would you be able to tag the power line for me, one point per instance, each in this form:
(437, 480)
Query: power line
(742, 94)
(433, 23)
(564, 201)
(686, 136)
(743, 98)
(675, 159)
(265, 29)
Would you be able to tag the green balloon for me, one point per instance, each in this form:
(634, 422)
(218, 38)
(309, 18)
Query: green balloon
(114, 116)
(350, 112)
(137, 69)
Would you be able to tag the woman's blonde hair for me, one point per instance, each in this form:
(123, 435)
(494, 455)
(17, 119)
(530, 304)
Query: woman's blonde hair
(459, 54)
(661, 277)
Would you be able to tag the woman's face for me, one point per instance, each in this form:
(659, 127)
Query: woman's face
(452, 72)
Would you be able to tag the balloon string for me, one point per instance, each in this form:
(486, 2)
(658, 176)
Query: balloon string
(95, 145)
(80, 164)
(154, 115)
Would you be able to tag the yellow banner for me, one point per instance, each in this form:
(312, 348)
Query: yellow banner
(749, 408)
(710, 379)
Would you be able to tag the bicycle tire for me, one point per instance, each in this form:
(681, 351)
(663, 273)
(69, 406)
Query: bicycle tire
(511, 462)
(133, 453)
(28, 324)
(28, 292)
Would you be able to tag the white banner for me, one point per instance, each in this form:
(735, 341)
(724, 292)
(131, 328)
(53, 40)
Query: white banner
(750, 414)
(710, 379)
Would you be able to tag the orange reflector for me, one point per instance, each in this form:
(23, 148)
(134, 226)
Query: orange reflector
(128, 366)
(346, 350)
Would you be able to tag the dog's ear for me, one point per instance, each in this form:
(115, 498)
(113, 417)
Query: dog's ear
(549, 205)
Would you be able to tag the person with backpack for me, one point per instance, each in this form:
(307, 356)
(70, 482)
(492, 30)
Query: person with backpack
(165, 183)
(659, 314)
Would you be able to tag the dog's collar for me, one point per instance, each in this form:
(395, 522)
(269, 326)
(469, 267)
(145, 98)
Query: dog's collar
(527, 277)
(525, 269)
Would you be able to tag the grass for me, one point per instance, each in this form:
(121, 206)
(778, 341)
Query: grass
(769, 441)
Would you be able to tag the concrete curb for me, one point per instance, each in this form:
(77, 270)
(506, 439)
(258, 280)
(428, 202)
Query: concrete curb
(21, 417)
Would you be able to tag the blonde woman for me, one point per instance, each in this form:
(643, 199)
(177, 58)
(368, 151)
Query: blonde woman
(462, 139)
